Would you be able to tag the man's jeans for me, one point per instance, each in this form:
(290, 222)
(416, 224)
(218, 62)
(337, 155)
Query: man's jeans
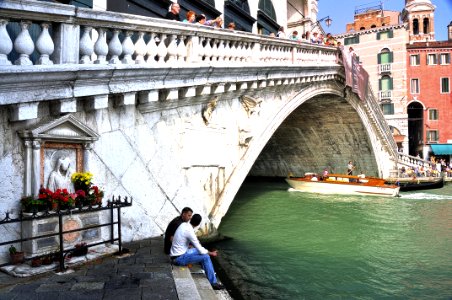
(193, 256)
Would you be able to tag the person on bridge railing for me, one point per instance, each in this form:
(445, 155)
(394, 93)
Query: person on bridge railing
(231, 26)
(294, 36)
(281, 34)
(216, 23)
(173, 14)
(200, 19)
(191, 16)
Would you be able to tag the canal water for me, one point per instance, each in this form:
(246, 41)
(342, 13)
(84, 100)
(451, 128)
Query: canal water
(293, 245)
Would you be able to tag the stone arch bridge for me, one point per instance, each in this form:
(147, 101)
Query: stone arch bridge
(173, 114)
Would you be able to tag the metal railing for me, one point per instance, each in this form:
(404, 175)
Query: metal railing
(112, 205)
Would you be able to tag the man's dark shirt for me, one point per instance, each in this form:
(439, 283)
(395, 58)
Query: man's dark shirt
(171, 16)
(170, 231)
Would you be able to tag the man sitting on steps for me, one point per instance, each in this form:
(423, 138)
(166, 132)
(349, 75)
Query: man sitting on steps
(185, 216)
(182, 255)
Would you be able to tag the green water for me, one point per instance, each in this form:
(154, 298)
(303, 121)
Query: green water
(292, 245)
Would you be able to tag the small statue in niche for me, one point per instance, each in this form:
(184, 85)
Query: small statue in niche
(60, 177)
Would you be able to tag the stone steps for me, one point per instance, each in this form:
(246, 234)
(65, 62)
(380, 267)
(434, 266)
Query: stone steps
(192, 284)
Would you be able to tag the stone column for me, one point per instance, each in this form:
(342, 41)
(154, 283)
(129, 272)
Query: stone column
(36, 168)
(28, 167)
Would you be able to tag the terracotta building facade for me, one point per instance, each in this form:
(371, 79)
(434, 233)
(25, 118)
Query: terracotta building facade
(409, 71)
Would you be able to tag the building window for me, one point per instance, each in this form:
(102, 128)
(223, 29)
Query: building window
(432, 59)
(444, 58)
(384, 35)
(432, 136)
(385, 56)
(387, 108)
(351, 40)
(385, 83)
(414, 86)
(415, 60)
(445, 89)
(415, 26)
(433, 114)
(426, 25)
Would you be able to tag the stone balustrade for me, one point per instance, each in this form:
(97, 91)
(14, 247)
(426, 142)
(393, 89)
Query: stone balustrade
(66, 34)
(412, 161)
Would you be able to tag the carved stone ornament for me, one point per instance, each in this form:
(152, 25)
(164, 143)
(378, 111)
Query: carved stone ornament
(65, 139)
(250, 104)
(208, 110)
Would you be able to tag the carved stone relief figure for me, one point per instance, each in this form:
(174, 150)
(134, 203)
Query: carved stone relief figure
(208, 110)
(60, 177)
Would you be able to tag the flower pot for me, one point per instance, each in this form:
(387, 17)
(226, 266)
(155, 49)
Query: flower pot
(36, 262)
(17, 258)
(80, 251)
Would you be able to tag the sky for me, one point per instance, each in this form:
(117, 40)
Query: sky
(342, 12)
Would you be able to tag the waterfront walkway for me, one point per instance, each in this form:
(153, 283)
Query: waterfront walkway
(144, 273)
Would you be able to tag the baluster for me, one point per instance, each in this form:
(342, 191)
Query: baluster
(24, 45)
(86, 46)
(151, 49)
(221, 50)
(181, 49)
(115, 48)
(128, 48)
(208, 50)
(215, 45)
(45, 45)
(161, 49)
(236, 51)
(140, 49)
(227, 50)
(200, 49)
(172, 48)
(6, 45)
(101, 47)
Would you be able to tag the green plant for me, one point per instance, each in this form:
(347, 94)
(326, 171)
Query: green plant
(30, 204)
(12, 250)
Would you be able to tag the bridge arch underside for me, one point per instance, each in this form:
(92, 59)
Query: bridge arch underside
(323, 132)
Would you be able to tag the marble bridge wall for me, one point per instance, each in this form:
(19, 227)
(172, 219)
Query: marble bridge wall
(167, 155)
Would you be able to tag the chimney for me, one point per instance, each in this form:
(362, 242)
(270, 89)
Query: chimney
(449, 30)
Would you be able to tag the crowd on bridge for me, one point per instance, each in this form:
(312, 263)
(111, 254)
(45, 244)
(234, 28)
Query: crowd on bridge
(199, 18)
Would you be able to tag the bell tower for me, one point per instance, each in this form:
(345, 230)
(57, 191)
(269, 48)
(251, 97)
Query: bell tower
(419, 14)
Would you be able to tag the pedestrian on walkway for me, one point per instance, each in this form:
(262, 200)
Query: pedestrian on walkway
(184, 217)
(182, 255)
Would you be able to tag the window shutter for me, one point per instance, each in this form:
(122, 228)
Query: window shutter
(379, 84)
(418, 59)
(447, 58)
(378, 35)
(379, 58)
(390, 83)
(391, 57)
(391, 34)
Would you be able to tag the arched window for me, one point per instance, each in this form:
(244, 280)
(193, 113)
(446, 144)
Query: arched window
(415, 26)
(426, 25)
(373, 26)
(266, 18)
(385, 83)
(267, 7)
(385, 56)
(362, 28)
(238, 11)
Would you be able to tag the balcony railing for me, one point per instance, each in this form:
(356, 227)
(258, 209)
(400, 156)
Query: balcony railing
(385, 95)
(384, 68)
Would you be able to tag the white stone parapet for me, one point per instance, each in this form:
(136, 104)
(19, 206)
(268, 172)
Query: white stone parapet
(136, 40)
